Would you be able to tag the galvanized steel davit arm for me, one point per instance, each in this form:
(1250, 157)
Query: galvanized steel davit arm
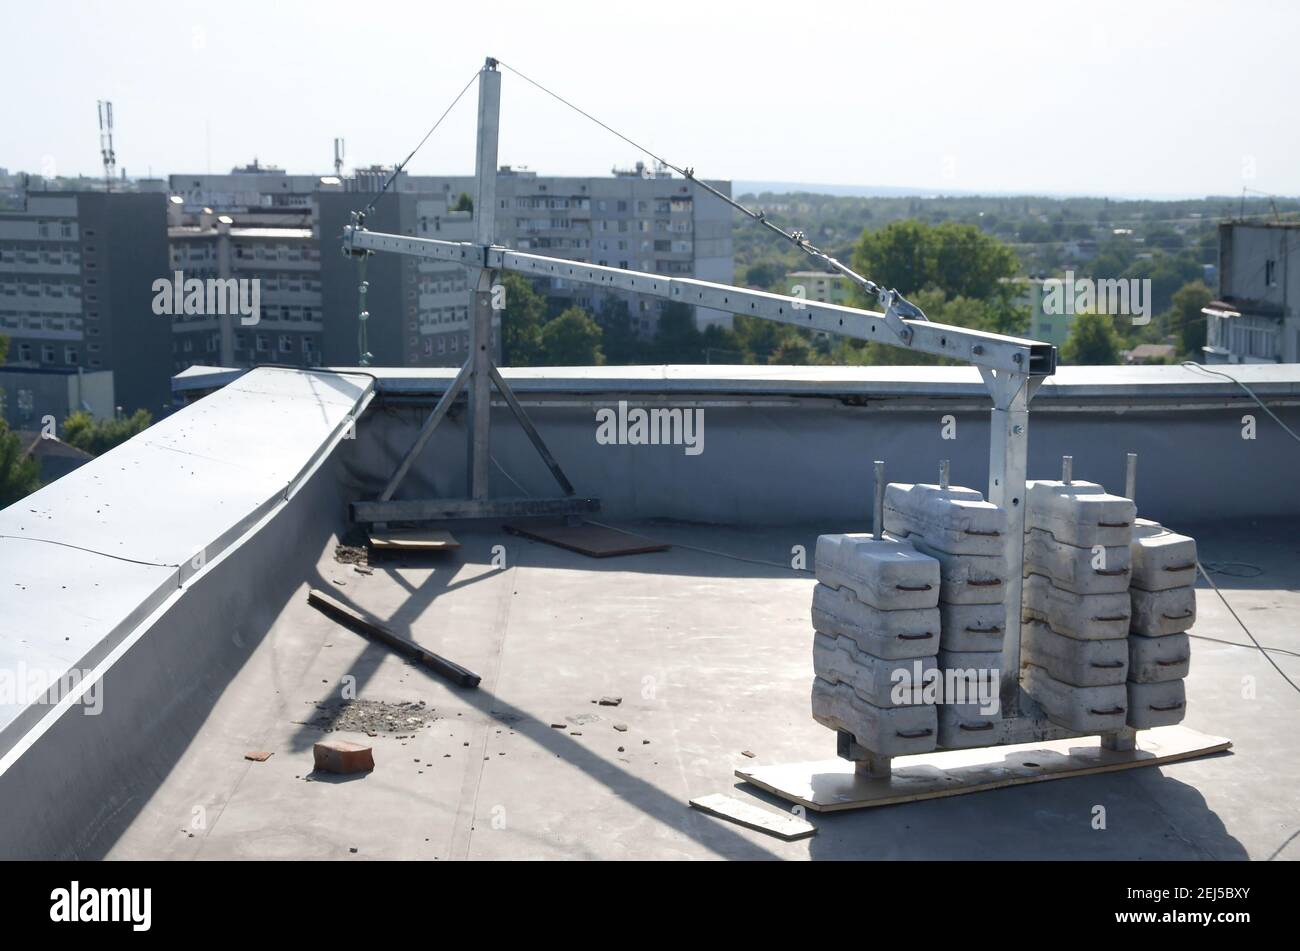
(1012, 367)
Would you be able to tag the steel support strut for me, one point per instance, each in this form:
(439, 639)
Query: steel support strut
(1008, 468)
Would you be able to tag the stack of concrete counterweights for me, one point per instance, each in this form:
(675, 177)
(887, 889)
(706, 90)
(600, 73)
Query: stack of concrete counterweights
(1163, 602)
(928, 595)
(967, 536)
(1102, 613)
(874, 611)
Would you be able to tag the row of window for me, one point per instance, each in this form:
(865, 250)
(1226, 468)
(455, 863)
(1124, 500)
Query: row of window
(446, 343)
(24, 353)
(39, 254)
(284, 344)
(42, 289)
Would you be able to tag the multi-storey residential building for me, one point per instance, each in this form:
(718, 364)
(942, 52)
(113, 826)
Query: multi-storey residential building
(638, 219)
(1257, 316)
(282, 266)
(819, 286)
(420, 309)
(255, 186)
(76, 277)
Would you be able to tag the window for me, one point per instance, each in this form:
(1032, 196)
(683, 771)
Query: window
(47, 353)
(24, 352)
(1270, 273)
(263, 345)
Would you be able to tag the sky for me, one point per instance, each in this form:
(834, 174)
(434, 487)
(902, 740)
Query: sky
(1132, 98)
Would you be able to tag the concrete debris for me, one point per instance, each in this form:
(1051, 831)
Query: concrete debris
(610, 701)
(373, 717)
(351, 555)
(258, 756)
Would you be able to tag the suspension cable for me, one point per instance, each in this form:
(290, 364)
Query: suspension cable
(402, 165)
(887, 298)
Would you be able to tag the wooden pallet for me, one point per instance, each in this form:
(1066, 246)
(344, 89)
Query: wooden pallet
(834, 784)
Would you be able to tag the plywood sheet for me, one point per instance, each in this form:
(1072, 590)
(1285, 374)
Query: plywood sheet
(830, 785)
(781, 825)
(420, 539)
(596, 541)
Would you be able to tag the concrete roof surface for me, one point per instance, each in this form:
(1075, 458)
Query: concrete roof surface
(711, 657)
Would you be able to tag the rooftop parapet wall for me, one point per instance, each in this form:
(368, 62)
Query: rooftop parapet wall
(783, 445)
(93, 560)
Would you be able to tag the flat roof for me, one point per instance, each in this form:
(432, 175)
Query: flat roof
(711, 657)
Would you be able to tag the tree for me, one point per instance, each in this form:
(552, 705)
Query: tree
(619, 341)
(463, 203)
(572, 339)
(958, 259)
(19, 473)
(98, 436)
(4, 348)
(1186, 319)
(521, 322)
(677, 339)
(1093, 341)
(794, 351)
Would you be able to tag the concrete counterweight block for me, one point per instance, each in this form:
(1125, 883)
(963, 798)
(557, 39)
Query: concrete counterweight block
(1097, 570)
(967, 579)
(1079, 663)
(971, 627)
(966, 726)
(1153, 660)
(883, 683)
(1162, 559)
(1158, 704)
(1084, 616)
(886, 634)
(1079, 513)
(885, 573)
(1156, 613)
(1082, 709)
(956, 520)
(888, 731)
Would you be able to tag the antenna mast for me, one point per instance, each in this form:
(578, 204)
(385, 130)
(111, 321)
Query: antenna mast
(106, 142)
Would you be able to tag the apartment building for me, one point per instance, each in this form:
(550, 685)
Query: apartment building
(639, 219)
(420, 309)
(1257, 316)
(820, 286)
(76, 272)
(277, 272)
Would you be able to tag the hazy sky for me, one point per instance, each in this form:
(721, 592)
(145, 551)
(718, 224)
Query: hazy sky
(1118, 98)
